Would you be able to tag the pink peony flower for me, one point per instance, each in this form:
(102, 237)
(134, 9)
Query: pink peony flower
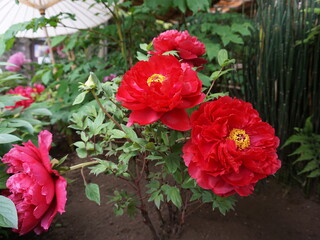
(17, 59)
(38, 191)
(28, 92)
(188, 47)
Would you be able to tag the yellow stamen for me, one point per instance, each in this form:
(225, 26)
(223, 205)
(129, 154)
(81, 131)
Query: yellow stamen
(240, 137)
(155, 78)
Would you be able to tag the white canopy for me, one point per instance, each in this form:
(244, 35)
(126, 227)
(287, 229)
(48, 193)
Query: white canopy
(87, 15)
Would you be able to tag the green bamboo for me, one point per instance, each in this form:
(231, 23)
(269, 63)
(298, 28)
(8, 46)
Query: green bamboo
(281, 76)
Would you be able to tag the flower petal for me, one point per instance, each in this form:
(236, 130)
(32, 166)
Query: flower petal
(176, 119)
(143, 117)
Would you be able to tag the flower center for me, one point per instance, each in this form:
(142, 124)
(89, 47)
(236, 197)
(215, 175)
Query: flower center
(155, 78)
(240, 137)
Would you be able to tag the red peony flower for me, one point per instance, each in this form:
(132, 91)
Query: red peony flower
(230, 148)
(189, 48)
(17, 59)
(161, 88)
(27, 92)
(37, 191)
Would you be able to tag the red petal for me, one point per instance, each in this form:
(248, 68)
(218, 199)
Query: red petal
(144, 116)
(45, 139)
(191, 102)
(176, 119)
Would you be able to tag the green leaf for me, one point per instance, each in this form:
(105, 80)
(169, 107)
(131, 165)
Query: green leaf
(189, 183)
(205, 79)
(142, 57)
(82, 152)
(314, 174)
(115, 133)
(131, 134)
(46, 76)
(57, 40)
(212, 50)
(196, 5)
(222, 56)
(181, 4)
(21, 123)
(304, 157)
(296, 139)
(144, 46)
(93, 192)
(172, 162)
(224, 204)
(79, 99)
(8, 138)
(240, 28)
(312, 165)
(207, 196)
(41, 112)
(3, 177)
(173, 195)
(8, 213)
(196, 195)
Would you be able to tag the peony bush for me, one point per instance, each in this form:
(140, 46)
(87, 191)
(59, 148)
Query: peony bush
(175, 143)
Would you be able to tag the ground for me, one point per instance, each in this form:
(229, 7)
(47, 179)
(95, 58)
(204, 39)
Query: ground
(273, 212)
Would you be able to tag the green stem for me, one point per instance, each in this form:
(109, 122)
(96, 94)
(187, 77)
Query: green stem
(213, 82)
(115, 14)
(105, 111)
(82, 165)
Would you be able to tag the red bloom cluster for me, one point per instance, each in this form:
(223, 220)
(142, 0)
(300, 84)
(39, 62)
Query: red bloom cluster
(161, 88)
(230, 148)
(29, 92)
(37, 191)
(188, 47)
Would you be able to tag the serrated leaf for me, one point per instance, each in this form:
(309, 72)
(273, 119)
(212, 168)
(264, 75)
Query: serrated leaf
(93, 192)
(8, 213)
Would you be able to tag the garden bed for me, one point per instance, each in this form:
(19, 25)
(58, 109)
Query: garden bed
(272, 212)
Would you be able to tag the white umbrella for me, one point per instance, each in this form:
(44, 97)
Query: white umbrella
(87, 15)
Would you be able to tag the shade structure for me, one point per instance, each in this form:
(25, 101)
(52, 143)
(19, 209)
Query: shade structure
(87, 15)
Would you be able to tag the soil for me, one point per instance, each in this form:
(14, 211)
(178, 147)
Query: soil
(273, 212)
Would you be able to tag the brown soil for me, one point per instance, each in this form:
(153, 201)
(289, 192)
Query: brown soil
(273, 212)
